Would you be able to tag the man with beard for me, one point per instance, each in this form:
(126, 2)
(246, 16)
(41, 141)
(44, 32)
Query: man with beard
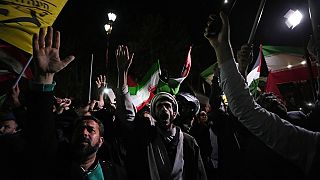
(46, 158)
(157, 149)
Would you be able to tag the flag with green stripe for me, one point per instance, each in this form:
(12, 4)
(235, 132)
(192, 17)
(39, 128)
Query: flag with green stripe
(143, 91)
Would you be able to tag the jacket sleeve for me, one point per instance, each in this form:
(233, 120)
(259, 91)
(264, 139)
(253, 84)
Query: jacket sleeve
(290, 141)
(40, 132)
(125, 109)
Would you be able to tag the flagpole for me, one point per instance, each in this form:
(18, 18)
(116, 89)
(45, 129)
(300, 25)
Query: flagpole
(90, 78)
(256, 21)
(22, 72)
(315, 22)
(314, 92)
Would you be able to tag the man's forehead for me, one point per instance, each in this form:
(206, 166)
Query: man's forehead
(164, 101)
(88, 122)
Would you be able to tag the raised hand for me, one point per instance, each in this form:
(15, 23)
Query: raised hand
(15, 96)
(46, 55)
(220, 42)
(124, 59)
(101, 81)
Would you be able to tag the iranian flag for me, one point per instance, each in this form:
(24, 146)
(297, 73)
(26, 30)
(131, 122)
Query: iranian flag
(287, 64)
(172, 85)
(142, 92)
(13, 61)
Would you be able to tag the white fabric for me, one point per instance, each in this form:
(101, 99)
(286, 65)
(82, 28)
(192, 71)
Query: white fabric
(177, 169)
(292, 142)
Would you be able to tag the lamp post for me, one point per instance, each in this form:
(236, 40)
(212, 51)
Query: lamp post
(111, 18)
(108, 28)
(293, 18)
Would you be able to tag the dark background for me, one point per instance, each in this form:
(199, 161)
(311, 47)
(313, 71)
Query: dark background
(162, 30)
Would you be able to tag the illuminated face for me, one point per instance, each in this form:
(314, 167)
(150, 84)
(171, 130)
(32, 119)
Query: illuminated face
(164, 114)
(8, 127)
(86, 138)
(203, 117)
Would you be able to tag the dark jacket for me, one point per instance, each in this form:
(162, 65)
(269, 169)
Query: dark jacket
(46, 158)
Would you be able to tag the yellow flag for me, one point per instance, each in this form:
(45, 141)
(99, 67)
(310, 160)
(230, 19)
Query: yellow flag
(20, 19)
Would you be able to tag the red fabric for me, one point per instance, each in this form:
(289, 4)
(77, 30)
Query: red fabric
(18, 55)
(187, 66)
(285, 76)
(131, 82)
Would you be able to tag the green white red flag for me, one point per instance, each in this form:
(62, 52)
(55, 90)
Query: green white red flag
(143, 91)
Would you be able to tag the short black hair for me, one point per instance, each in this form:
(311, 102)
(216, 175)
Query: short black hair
(83, 118)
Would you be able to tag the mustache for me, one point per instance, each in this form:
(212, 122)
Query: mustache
(83, 139)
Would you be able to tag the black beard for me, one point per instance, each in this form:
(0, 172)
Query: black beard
(80, 151)
(164, 116)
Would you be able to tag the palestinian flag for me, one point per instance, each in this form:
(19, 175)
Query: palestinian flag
(208, 73)
(142, 92)
(287, 64)
(172, 85)
(256, 78)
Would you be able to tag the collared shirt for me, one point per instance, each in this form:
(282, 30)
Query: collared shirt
(95, 173)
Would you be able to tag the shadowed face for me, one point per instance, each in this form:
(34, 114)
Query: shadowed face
(8, 127)
(203, 117)
(164, 113)
(86, 139)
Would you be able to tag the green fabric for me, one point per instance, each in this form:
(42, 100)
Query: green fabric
(42, 87)
(2, 99)
(273, 50)
(171, 87)
(96, 173)
(256, 85)
(154, 68)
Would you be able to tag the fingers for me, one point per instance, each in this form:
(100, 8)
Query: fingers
(101, 81)
(48, 38)
(225, 22)
(104, 78)
(42, 43)
(68, 60)
(57, 40)
(44, 40)
(130, 61)
(35, 43)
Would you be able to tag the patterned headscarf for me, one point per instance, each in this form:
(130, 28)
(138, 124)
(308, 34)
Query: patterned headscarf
(161, 97)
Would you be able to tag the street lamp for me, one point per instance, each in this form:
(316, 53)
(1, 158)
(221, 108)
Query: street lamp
(108, 28)
(293, 18)
(111, 18)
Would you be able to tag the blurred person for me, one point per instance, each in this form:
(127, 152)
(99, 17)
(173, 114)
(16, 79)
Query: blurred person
(8, 124)
(189, 107)
(292, 142)
(47, 158)
(160, 150)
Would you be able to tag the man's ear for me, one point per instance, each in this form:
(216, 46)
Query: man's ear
(101, 140)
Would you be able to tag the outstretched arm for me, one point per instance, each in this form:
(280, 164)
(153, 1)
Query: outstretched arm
(292, 142)
(125, 109)
(40, 126)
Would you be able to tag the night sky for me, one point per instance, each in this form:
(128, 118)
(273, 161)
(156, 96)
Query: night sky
(164, 30)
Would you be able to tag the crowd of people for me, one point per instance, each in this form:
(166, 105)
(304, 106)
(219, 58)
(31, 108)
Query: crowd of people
(173, 137)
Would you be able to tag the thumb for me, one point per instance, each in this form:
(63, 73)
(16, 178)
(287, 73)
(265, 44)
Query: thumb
(68, 60)
(225, 21)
